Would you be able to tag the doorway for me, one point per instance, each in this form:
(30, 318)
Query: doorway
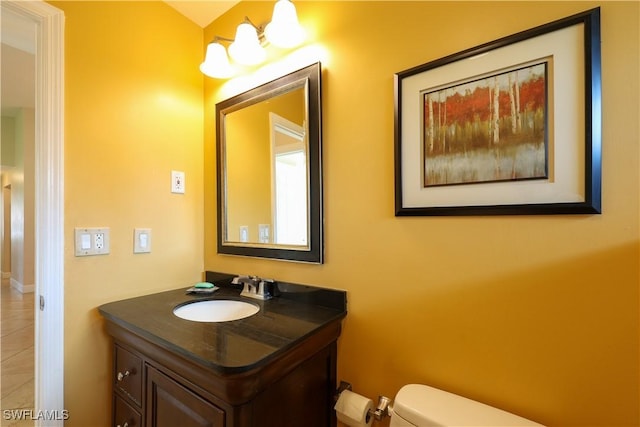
(46, 24)
(17, 310)
(290, 182)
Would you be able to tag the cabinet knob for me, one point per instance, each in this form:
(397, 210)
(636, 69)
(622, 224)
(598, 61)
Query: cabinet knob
(120, 377)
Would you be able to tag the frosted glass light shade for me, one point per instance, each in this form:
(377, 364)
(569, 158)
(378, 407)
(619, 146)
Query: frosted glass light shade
(246, 48)
(284, 30)
(216, 62)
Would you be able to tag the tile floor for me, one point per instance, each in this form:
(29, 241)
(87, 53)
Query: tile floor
(17, 357)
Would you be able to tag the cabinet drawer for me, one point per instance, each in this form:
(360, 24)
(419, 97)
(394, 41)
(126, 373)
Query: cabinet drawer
(124, 415)
(128, 374)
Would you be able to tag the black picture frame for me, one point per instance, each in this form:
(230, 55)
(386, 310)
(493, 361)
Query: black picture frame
(573, 44)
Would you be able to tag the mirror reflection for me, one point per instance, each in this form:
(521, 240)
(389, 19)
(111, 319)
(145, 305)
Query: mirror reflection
(266, 171)
(269, 175)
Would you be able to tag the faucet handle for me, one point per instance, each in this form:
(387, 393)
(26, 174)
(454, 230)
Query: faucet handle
(245, 279)
(257, 288)
(266, 288)
(238, 280)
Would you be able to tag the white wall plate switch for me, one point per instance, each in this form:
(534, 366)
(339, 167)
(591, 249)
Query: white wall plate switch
(264, 233)
(244, 233)
(177, 182)
(92, 241)
(141, 240)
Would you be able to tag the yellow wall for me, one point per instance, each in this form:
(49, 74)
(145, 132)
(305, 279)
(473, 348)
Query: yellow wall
(133, 113)
(537, 314)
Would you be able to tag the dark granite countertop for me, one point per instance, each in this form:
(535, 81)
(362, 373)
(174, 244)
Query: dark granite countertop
(235, 346)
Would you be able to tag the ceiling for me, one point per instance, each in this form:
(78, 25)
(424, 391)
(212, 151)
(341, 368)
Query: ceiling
(202, 12)
(17, 62)
(18, 75)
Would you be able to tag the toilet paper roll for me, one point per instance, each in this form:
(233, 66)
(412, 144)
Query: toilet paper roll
(353, 409)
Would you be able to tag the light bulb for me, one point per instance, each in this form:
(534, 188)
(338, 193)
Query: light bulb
(284, 29)
(216, 62)
(246, 48)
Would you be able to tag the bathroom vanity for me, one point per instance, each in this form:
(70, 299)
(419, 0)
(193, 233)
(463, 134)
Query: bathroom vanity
(274, 368)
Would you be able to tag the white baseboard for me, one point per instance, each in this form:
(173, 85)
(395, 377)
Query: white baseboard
(23, 289)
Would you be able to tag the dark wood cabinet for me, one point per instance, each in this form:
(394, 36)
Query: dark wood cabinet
(128, 375)
(154, 386)
(124, 415)
(170, 404)
(276, 368)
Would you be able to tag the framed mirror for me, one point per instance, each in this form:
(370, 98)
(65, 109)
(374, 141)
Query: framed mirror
(269, 170)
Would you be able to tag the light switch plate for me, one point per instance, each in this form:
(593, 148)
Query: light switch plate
(244, 233)
(141, 240)
(177, 182)
(263, 233)
(91, 241)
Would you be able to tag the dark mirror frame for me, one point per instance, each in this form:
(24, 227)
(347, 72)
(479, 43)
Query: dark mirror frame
(315, 252)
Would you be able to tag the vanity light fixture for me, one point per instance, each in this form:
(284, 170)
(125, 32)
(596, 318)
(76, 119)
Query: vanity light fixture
(248, 47)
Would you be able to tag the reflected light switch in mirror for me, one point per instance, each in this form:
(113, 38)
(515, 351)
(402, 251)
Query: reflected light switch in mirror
(244, 233)
(263, 231)
(141, 240)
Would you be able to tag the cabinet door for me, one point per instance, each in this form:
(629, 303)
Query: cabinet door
(170, 404)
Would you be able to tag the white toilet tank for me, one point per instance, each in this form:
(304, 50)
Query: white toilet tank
(420, 405)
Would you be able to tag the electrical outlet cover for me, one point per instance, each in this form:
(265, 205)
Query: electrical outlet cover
(91, 241)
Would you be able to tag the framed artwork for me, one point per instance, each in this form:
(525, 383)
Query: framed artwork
(510, 127)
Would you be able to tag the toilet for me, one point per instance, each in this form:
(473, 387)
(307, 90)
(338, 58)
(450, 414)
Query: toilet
(418, 405)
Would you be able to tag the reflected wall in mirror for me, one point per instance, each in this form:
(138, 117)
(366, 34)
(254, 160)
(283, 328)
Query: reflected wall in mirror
(269, 150)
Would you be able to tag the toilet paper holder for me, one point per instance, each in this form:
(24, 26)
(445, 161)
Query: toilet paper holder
(382, 409)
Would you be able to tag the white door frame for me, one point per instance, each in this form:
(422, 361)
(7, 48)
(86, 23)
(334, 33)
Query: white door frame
(49, 207)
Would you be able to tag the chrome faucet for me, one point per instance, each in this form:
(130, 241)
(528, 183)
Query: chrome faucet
(255, 287)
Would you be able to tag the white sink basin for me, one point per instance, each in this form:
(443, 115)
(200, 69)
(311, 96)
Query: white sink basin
(216, 310)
